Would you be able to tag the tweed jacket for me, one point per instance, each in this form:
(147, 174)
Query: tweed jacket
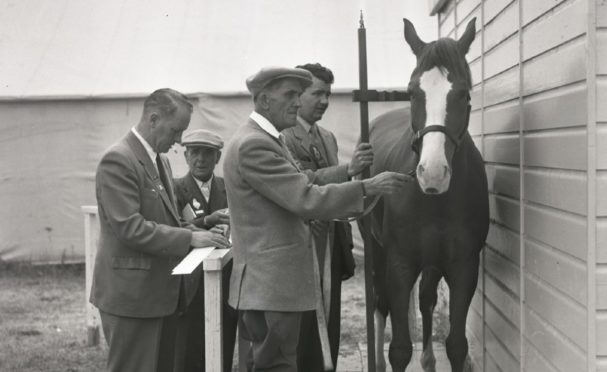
(340, 233)
(270, 202)
(140, 237)
(187, 190)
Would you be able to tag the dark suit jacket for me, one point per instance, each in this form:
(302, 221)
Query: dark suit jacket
(298, 141)
(270, 200)
(140, 237)
(187, 190)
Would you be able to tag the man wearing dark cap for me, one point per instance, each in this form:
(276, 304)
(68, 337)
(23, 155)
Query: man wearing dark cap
(201, 200)
(141, 240)
(271, 201)
(315, 147)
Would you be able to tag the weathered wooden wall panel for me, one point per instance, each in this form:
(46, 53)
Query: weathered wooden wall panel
(502, 27)
(601, 96)
(502, 118)
(493, 8)
(535, 361)
(601, 139)
(601, 240)
(533, 9)
(565, 149)
(601, 191)
(557, 189)
(502, 326)
(501, 88)
(498, 352)
(557, 108)
(502, 149)
(503, 57)
(505, 211)
(601, 332)
(503, 180)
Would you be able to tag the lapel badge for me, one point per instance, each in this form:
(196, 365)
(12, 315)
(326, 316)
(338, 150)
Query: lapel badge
(196, 203)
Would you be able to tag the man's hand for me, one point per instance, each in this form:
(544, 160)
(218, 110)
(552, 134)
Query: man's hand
(361, 159)
(217, 218)
(208, 239)
(386, 183)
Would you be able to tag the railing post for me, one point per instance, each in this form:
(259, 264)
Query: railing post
(91, 237)
(213, 308)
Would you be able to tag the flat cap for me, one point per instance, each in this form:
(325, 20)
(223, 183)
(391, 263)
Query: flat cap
(202, 137)
(256, 82)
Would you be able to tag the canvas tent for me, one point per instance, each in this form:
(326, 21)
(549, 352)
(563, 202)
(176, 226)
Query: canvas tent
(73, 75)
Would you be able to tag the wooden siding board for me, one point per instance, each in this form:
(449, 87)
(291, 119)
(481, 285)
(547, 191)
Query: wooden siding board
(502, 149)
(535, 362)
(501, 88)
(503, 270)
(474, 334)
(601, 333)
(504, 300)
(564, 24)
(601, 193)
(501, 27)
(508, 333)
(504, 361)
(601, 13)
(503, 180)
(532, 9)
(465, 8)
(601, 51)
(494, 7)
(505, 211)
(504, 241)
(557, 189)
(601, 287)
(601, 240)
(475, 123)
(565, 149)
(558, 270)
(558, 67)
(601, 143)
(476, 71)
(555, 109)
(448, 25)
(502, 118)
(557, 229)
(503, 57)
(552, 345)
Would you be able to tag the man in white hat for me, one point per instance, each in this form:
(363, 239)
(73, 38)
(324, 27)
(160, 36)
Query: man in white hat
(201, 200)
(271, 201)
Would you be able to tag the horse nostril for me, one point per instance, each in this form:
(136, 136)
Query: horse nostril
(420, 169)
(431, 190)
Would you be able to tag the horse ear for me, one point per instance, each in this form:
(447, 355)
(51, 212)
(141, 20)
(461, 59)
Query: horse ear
(412, 39)
(468, 37)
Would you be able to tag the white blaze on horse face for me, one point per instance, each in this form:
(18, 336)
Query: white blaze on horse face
(433, 171)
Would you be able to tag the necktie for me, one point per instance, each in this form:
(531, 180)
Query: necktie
(318, 149)
(163, 177)
(206, 190)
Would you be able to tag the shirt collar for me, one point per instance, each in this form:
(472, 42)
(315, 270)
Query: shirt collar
(306, 126)
(200, 183)
(150, 151)
(264, 124)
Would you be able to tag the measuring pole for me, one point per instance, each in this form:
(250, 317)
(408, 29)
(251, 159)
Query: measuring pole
(368, 249)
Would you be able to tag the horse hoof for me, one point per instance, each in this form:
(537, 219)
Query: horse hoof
(428, 364)
(467, 364)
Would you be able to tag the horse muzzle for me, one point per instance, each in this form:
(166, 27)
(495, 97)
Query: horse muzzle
(433, 180)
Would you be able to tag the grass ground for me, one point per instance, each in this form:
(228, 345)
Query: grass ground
(42, 319)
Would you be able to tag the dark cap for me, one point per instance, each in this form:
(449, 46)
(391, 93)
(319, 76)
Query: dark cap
(263, 77)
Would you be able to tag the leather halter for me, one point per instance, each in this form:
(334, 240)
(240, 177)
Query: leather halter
(454, 137)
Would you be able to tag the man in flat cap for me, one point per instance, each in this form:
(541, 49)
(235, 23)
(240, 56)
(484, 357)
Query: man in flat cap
(141, 240)
(271, 201)
(201, 200)
(315, 147)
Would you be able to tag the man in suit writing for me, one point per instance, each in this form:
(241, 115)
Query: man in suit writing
(201, 199)
(314, 148)
(271, 200)
(141, 240)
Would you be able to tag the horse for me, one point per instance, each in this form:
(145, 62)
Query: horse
(438, 225)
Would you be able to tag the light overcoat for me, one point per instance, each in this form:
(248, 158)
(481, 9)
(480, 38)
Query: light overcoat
(270, 202)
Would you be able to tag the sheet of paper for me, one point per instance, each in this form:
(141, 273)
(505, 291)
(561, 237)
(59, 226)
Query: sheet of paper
(191, 261)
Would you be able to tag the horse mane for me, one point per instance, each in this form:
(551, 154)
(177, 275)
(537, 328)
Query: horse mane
(445, 54)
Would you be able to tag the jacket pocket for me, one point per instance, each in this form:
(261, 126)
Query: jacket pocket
(132, 263)
(149, 193)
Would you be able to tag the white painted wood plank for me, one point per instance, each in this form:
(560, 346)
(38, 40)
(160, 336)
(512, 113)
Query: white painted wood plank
(601, 13)
(557, 189)
(504, 241)
(495, 348)
(503, 180)
(559, 270)
(501, 27)
(504, 300)
(601, 240)
(534, 361)
(476, 71)
(560, 230)
(601, 143)
(565, 149)
(502, 149)
(601, 287)
(448, 24)
(601, 51)
(601, 333)
(552, 345)
(558, 67)
(566, 23)
(475, 123)
(503, 57)
(493, 8)
(476, 97)
(555, 108)
(507, 331)
(501, 88)
(504, 271)
(532, 9)
(502, 118)
(464, 10)
(504, 211)
(601, 191)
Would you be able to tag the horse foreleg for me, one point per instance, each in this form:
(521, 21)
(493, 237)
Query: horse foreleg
(428, 286)
(380, 330)
(401, 281)
(462, 280)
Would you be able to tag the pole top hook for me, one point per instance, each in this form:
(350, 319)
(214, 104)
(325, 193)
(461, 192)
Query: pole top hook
(362, 20)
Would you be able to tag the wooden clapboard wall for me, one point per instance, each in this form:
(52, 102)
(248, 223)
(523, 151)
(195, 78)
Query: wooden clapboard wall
(539, 116)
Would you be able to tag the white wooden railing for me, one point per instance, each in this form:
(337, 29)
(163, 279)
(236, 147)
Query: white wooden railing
(212, 267)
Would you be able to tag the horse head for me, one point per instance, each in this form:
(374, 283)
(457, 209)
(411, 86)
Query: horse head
(440, 104)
